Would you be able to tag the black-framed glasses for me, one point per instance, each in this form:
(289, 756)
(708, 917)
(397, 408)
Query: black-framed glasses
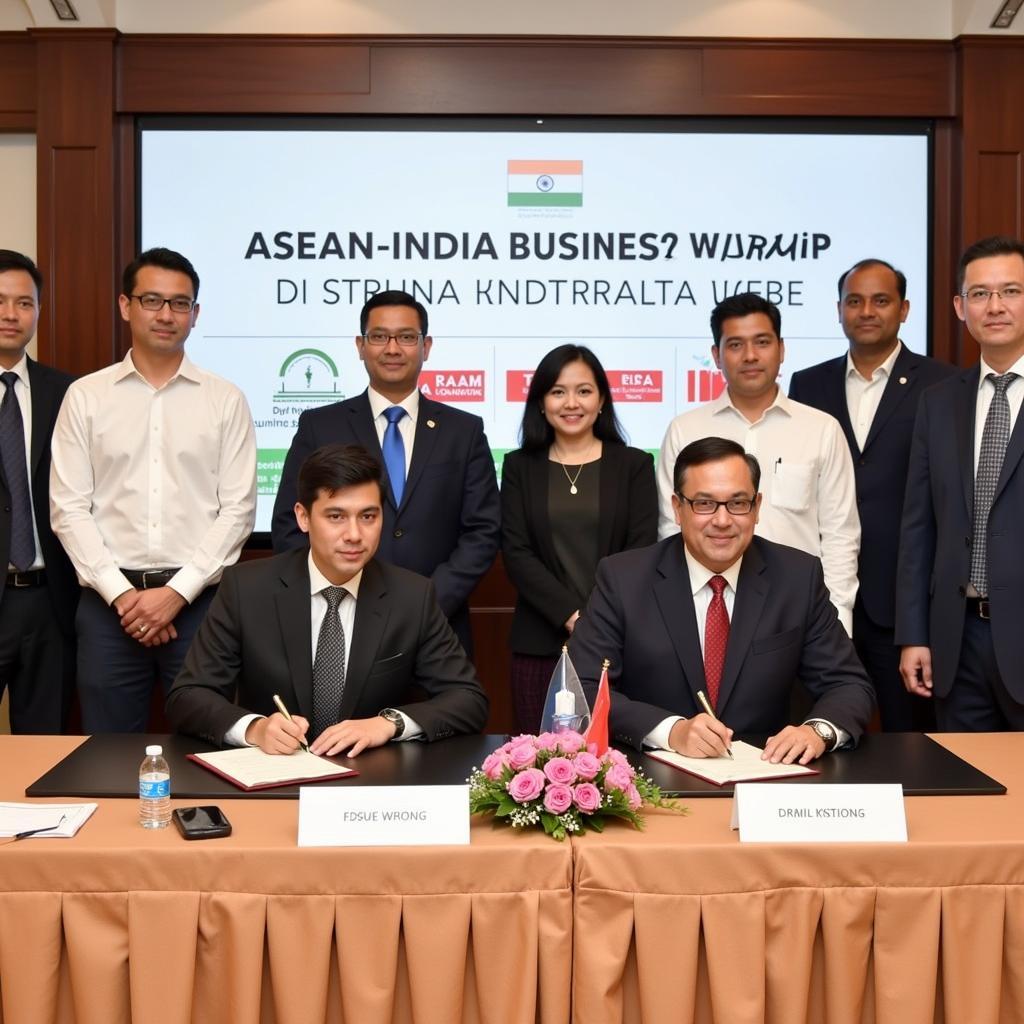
(154, 303)
(407, 339)
(708, 506)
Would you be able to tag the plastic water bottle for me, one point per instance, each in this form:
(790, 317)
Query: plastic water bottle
(154, 790)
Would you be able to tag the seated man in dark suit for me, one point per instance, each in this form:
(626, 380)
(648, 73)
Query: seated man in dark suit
(339, 636)
(727, 613)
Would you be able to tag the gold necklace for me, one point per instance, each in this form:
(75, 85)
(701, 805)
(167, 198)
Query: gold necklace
(573, 489)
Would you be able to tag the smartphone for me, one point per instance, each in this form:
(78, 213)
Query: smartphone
(201, 822)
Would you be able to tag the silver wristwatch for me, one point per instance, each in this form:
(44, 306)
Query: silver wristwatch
(826, 732)
(395, 718)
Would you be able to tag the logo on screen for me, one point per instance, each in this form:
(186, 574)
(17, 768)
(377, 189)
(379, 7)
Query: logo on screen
(704, 385)
(636, 385)
(453, 385)
(310, 377)
(517, 385)
(545, 183)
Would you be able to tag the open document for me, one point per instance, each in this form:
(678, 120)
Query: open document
(745, 765)
(249, 768)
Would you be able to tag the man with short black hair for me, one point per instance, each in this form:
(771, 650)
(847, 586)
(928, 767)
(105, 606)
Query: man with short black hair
(873, 392)
(724, 612)
(808, 482)
(38, 592)
(338, 635)
(152, 493)
(441, 506)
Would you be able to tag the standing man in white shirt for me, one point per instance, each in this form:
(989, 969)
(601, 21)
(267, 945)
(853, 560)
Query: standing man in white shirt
(873, 392)
(808, 483)
(152, 493)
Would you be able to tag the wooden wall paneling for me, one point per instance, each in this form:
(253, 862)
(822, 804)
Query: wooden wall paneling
(945, 245)
(125, 217)
(491, 605)
(76, 182)
(17, 82)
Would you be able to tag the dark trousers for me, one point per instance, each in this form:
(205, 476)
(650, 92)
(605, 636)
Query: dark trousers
(899, 710)
(531, 677)
(37, 661)
(116, 674)
(979, 700)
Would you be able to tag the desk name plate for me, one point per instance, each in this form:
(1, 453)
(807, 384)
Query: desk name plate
(794, 813)
(384, 816)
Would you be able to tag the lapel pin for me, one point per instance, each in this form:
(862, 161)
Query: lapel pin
(903, 380)
(431, 424)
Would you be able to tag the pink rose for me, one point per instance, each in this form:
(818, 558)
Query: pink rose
(493, 766)
(526, 786)
(633, 797)
(560, 770)
(547, 741)
(586, 765)
(522, 755)
(558, 798)
(618, 757)
(618, 777)
(587, 797)
(569, 742)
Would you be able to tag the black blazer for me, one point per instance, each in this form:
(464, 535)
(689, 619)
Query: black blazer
(255, 641)
(881, 468)
(628, 518)
(47, 387)
(448, 525)
(935, 541)
(784, 628)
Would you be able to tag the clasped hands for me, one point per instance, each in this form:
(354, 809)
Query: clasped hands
(148, 615)
(704, 736)
(276, 735)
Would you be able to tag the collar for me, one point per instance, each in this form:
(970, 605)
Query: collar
(21, 369)
(186, 369)
(318, 581)
(885, 370)
(700, 574)
(1017, 368)
(378, 403)
(724, 402)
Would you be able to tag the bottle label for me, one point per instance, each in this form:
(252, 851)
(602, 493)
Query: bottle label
(154, 790)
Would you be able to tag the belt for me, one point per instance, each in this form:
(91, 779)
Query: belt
(27, 578)
(980, 606)
(145, 579)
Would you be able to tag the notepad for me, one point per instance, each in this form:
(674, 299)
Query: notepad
(18, 818)
(249, 768)
(745, 765)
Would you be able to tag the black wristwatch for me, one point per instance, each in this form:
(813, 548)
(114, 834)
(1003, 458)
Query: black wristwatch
(826, 732)
(395, 718)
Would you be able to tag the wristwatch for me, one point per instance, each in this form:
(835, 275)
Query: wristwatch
(395, 718)
(826, 732)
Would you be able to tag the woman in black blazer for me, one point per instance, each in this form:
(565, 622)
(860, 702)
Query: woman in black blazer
(573, 493)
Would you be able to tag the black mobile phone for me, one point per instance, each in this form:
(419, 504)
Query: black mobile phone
(201, 822)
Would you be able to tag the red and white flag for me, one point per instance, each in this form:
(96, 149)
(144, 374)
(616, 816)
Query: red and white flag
(598, 731)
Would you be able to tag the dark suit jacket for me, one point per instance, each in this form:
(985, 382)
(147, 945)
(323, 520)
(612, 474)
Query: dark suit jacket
(448, 525)
(641, 617)
(47, 386)
(935, 541)
(255, 642)
(881, 468)
(628, 518)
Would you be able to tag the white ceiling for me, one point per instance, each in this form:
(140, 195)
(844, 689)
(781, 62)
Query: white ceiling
(858, 19)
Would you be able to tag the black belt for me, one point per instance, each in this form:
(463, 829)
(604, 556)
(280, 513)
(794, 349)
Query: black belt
(980, 606)
(146, 579)
(26, 578)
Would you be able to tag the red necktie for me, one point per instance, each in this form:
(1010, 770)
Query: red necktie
(716, 638)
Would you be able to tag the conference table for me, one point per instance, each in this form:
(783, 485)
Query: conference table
(680, 922)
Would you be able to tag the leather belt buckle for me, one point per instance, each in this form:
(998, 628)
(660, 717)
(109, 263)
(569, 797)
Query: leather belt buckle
(23, 579)
(984, 609)
(160, 577)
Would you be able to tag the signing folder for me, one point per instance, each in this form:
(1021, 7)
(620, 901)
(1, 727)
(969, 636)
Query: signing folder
(745, 765)
(250, 769)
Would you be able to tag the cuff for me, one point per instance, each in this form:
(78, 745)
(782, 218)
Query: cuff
(111, 584)
(235, 736)
(189, 582)
(658, 736)
(842, 736)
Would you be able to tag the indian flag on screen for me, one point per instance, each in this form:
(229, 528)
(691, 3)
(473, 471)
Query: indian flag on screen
(545, 183)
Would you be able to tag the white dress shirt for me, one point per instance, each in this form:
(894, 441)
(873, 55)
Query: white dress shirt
(863, 396)
(23, 396)
(810, 498)
(148, 478)
(986, 389)
(318, 583)
(406, 425)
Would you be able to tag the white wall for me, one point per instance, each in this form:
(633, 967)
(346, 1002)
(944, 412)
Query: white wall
(18, 174)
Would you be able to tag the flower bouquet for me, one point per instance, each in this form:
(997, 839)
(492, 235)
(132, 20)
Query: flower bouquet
(558, 782)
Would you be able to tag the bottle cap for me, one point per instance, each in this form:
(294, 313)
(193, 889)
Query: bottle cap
(154, 751)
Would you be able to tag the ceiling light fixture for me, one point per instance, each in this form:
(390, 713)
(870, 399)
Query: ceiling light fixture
(64, 10)
(1005, 15)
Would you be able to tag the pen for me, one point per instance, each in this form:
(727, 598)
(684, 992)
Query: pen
(36, 831)
(284, 711)
(707, 708)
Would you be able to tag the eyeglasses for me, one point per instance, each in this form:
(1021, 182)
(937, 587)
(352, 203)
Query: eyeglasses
(980, 296)
(708, 506)
(407, 339)
(154, 303)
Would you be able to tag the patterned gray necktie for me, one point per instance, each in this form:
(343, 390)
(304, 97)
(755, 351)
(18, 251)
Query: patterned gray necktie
(994, 439)
(329, 664)
(12, 453)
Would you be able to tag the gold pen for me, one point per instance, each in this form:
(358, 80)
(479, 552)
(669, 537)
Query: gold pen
(284, 711)
(707, 707)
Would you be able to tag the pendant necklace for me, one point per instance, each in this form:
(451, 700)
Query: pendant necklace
(573, 489)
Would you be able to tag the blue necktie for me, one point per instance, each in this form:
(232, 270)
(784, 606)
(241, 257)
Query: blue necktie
(12, 451)
(394, 452)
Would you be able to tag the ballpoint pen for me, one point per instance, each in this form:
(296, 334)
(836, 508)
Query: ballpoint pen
(707, 707)
(284, 711)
